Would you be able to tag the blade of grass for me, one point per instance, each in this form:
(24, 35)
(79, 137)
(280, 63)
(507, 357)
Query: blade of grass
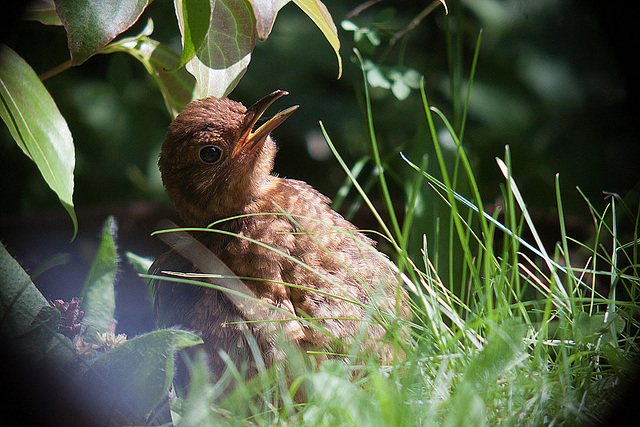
(442, 186)
(565, 247)
(411, 206)
(614, 262)
(545, 256)
(472, 74)
(515, 227)
(362, 193)
(376, 154)
(447, 184)
(346, 186)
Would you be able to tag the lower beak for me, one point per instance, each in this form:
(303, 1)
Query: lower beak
(250, 140)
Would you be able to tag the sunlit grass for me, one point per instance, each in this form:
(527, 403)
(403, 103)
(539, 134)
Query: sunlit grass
(530, 336)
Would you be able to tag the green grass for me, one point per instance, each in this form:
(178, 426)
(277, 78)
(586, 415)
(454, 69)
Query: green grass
(528, 336)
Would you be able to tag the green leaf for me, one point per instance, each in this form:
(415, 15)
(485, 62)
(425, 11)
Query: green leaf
(468, 408)
(194, 20)
(593, 328)
(226, 51)
(34, 342)
(43, 11)
(140, 263)
(503, 350)
(37, 126)
(134, 376)
(90, 25)
(20, 300)
(349, 26)
(412, 78)
(358, 32)
(375, 76)
(399, 88)
(177, 86)
(197, 405)
(98, 295)
(28, 323)
(265, 12)
(319, 14)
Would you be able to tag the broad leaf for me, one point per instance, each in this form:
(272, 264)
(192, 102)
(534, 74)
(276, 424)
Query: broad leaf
(35, 341)
(98, 295)
(177, 86)
(133, 377)
(43, 11)
(90, 25)
(593, 328)
(37, 125)
(265, 12)
(28, 323)
(226, 51)
(194, 20)
(319, 14)
(20, 300)
(503, 350)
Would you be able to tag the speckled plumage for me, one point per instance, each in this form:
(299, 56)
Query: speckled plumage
(342, 276)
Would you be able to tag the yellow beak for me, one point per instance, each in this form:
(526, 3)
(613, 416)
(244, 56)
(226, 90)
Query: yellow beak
(251, 140)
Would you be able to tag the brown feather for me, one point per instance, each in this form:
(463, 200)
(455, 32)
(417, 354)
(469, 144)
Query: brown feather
(316, 265)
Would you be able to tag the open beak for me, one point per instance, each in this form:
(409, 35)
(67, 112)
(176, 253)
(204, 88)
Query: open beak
(251, 140)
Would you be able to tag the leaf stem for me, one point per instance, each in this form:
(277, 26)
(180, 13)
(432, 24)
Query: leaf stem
(55, 71)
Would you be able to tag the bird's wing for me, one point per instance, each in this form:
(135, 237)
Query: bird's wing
(254, 303)
(171, 301)
(259, 255)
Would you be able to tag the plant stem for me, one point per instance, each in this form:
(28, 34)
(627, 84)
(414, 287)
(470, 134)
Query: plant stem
(55, 71)
(416, 20)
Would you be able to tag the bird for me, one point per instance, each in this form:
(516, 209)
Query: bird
(288, 266)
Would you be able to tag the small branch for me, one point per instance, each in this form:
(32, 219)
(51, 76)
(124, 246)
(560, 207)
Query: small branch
(55, 71)
(359, 9)
(415, 21)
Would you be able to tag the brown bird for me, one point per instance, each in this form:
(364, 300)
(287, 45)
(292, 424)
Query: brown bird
(310, 272)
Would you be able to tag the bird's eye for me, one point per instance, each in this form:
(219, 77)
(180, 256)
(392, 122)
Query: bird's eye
(211, 154)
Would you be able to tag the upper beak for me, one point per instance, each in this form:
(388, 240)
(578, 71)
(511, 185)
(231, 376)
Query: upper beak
(250, 140)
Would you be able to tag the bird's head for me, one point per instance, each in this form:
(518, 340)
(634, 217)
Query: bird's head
(215, 159)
